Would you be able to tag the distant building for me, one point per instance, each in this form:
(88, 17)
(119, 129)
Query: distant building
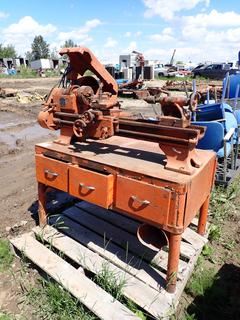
(46, 64)
(13, 62)
(127, 61)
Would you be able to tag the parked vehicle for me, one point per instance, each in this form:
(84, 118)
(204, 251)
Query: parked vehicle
(214, 70)
(160, 70)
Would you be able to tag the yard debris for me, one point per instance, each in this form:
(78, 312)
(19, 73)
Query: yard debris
(25, 97)
(8, 92)
(15, 228)
(22, 97)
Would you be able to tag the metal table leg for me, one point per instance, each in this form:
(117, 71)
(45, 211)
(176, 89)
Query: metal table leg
(42, 214)
(203, 217)
(173, 260)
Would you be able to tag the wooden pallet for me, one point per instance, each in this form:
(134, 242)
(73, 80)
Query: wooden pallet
(92, 238)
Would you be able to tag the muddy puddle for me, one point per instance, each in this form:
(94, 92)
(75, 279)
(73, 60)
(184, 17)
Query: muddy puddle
(16, 130)
(13, 139)
(8, 119)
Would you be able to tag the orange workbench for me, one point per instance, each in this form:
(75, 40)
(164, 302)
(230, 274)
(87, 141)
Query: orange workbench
(128, 176)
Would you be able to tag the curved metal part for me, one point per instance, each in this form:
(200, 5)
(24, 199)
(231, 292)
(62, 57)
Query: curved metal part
(81, 60)
(152, 237)
(194, 100)
(172, 110)
(45, 119)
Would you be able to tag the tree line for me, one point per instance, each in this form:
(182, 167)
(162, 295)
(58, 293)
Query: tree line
(39, 50)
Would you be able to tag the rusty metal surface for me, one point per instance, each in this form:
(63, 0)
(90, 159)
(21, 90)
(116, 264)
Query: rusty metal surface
(82, 108)
(124, 175)
(149, 170)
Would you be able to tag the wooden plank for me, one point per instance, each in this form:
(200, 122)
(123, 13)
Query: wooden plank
(86, 291)
(195, 239)
(113, 217)
(121, 238)
(187, 250)
(115, 254)
(194, 221)
(151, 300)
(125, 223)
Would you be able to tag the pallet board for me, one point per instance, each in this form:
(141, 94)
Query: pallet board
(94, 238)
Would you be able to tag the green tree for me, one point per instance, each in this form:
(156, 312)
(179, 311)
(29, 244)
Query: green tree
(7, 52)
(29, 56)
(69, 44)
(40, 48)
(54, 54)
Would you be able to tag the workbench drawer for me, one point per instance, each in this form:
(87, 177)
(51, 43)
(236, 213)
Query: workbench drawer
(91, 186)
(52, 172)
(143, 200)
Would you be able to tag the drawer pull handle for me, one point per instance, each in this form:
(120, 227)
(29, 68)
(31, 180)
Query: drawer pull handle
(82, 185)
(54, 174)
(142, 202)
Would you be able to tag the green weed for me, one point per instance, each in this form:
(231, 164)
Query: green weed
(229, 245)
(214, 232)
(207, 251)
(6, 255)
(110, 281)
(200, 281)
(188, 316)
(4, 316)
(134, 308)
(52, 302)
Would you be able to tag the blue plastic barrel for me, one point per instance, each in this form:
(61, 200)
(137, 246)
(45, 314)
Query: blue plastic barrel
(234, 81)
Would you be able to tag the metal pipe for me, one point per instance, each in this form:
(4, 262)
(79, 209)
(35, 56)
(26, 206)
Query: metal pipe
(153, 137)
(194, 87)
(208, 95)
(66, 114)
(236, 98)
(225, 87)
(60, 121)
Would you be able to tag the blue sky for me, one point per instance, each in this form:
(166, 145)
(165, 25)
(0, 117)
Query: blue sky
(200, 30)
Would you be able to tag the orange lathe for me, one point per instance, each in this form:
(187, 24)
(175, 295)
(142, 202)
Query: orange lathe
(147, 169)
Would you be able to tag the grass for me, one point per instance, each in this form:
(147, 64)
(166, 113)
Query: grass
(4, 316)
(207, 286)
(201, 280)
(52, 302)
(189, 316)
(180, 79)
(6, 255)
(26, 72)
(113, 284)
(110, 281)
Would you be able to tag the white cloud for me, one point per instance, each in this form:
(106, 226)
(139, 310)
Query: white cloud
(132, 46)
(164, 36)
(167, 31)
(166, 8)
(28, 25)
(21, 34)
(213, 19)
(80, 34)
(138, 33)
(110, 43)
(3, 15)
(127, 34)
(132, 34)
(160, 37)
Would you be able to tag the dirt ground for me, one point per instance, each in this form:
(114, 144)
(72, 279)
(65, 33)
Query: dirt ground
(19, 132)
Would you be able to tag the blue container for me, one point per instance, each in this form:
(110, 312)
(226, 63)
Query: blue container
(234, 80)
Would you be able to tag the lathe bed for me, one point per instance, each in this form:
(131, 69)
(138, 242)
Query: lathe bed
(128, 176)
